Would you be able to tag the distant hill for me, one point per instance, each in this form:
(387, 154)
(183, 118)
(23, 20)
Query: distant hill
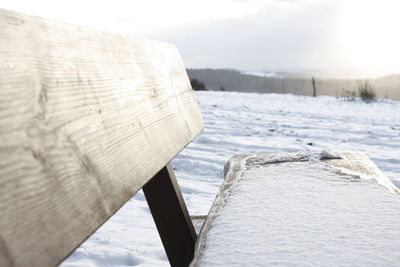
(234, 80)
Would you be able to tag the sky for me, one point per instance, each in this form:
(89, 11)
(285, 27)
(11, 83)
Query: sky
(333, 38)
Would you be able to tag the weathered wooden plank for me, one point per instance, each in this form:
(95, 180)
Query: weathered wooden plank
(86, 119)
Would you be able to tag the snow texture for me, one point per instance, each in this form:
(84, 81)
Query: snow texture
(246, 123)
(293, 212)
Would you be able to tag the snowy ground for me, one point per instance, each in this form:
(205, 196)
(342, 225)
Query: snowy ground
(242, 123)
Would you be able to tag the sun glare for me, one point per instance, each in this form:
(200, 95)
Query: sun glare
(369, 36)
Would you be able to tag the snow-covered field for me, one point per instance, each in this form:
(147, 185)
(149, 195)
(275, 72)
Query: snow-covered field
(243, 123)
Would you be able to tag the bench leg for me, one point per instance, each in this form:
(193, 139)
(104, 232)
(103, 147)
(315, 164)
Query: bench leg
(171, 217)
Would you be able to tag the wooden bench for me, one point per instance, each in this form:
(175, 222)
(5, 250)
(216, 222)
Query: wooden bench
(87, 119)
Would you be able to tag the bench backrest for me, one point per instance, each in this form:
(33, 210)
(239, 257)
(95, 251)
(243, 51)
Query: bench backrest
(86, 119)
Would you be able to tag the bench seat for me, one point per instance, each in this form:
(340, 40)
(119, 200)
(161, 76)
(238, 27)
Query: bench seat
(302, 209)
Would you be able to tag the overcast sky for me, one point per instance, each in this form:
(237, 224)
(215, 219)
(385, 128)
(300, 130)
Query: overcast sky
(342, 38)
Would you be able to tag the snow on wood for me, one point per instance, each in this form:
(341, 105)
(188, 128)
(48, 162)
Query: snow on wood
(302, 209)
(86, 119)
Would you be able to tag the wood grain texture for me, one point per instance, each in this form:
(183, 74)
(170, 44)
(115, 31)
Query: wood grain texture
(86, 119)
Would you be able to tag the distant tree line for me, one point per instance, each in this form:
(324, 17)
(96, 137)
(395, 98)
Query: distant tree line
(233, 80)
(198, 85)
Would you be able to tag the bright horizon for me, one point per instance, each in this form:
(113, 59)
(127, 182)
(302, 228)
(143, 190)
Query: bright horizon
(341, 39)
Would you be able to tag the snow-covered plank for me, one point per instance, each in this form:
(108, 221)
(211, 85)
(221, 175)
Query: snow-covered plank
(302, 209)
(86, 119)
